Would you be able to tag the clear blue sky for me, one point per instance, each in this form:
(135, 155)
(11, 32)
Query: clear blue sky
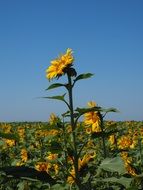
(106, 37)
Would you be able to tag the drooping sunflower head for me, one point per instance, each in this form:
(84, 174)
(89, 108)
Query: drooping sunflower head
(59, 65)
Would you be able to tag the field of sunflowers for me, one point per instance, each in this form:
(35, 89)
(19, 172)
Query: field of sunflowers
(40, 146)
(77, 150)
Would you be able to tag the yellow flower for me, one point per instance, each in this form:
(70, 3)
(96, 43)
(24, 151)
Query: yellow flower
(81, 163)
(71, 178)
(86, 158)
(127, 162)
(42, 166)
(9, 142)
(91, 104)
(6, 128)
(52, 156)
(24, 155)
(21, 133)
(126, 142)
(92, 119)
(59, 65)
(52, 166)
(90, 144)
(53, 118)
(112, 141)
(88, 130)
(56, 168)
(130, 170)
(69, 128)
(19, 163)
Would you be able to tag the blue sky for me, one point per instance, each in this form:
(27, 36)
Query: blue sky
(106, 37)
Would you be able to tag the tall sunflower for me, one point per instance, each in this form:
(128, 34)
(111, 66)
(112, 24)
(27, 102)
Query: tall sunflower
(59, 65)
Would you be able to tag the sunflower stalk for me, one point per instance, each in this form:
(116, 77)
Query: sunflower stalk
(141, 155)
(73, 125)
(65, 146)
(103, 137)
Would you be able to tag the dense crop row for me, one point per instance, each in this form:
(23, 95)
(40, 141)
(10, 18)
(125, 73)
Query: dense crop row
(39, 146)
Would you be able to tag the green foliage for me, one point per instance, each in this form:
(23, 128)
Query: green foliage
(115, 164)
(124, 181)
(55, 85)
(57, 97)
(9, 136)
(83, 76)
(99, 174)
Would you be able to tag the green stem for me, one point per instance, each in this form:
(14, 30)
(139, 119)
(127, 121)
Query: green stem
(103, 138)
(141, 156)
(104, 147)
(65, 145)
(73, 125)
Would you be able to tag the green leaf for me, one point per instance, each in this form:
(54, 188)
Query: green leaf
(55, 147)
(67, 114)
(113, 165)
(9, 136)
(126, 182)
(55, 85)
(82, 111)
(2, 143)
(21, 185)
(60, 187)
(110, 110)
(25, 171)
(103, 134)
(61, 98)
(57, 97)
(83, 76)
(86, 110)
(29, 179)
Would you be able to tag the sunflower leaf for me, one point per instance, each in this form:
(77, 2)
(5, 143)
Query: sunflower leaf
(55, 85)
(57, 97)
(82, 111)
(110, 110)
(115, 164)
(83, 76)
(9, 136)
(86, 110)
(126, 182)
(61, 98)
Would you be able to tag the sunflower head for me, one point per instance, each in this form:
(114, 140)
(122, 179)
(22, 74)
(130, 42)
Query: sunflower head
(61, 65)
(92, 119)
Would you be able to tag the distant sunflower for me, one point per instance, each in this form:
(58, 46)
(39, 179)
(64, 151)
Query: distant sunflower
(92, 118)
(24, 155)
(59, 65)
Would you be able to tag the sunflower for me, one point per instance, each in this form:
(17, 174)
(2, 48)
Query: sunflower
(59, 65)
(125, 142)
(24, 155)
(81, 164)
(92, 118)
(42, 166)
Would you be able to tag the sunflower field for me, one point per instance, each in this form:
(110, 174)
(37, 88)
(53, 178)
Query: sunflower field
(77, 150)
